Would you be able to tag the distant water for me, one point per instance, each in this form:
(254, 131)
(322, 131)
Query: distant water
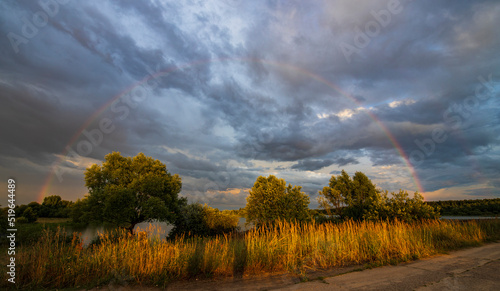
(467, 217)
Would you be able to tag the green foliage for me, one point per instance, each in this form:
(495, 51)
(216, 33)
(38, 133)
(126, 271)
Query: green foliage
(125, 191)
(271, 200)
(330, 199)
(80, 210)
(480, 207)
(199, 220)
(52, 201)
(349, 198)
(36, 207)
(20, 209)
(358, 199)
(52, 206)
(400, 206)
(30, 215)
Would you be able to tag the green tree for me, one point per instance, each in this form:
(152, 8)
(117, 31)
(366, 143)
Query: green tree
(349, 198)
(52, 206)
(358, 198)
(270, 200)
(30, 215)
(80, 211)
(330, 199)
(400, 206)
(125, 191)
(53, 201)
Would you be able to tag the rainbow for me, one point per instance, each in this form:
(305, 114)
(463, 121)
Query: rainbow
(46, 188)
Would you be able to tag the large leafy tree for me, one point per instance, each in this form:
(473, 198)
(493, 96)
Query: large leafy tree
(125, 191)
(349, 197)
(270, 200)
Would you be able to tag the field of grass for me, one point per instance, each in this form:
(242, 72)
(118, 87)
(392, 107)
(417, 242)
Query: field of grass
(52, 262)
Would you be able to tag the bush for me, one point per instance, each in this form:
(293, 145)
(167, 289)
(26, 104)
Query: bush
(196, 219)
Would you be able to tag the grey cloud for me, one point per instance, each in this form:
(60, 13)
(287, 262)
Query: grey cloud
(250, 81)
(312, 165)
(484, 193)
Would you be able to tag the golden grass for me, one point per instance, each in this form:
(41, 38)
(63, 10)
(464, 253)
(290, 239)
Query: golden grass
(57, 263)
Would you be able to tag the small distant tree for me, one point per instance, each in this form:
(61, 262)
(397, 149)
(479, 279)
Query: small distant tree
(271, 200)
(125, 191)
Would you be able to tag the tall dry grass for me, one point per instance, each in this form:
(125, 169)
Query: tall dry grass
(124, 258)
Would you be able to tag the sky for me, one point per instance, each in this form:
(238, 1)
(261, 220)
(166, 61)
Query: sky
(222, 92)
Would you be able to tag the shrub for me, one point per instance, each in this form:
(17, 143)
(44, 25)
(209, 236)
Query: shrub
(203, 220)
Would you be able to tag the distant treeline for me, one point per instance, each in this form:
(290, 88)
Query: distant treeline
(482, 207)
(478, 207)
(52, 206)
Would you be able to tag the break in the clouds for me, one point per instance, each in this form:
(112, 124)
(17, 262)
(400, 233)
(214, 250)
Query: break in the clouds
(225, 91)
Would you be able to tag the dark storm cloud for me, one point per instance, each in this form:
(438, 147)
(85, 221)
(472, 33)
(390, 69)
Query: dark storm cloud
(384, 158)
(484, 192)
(258, 82)
(313, 165)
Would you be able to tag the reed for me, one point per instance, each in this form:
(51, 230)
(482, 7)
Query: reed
(54, 262)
